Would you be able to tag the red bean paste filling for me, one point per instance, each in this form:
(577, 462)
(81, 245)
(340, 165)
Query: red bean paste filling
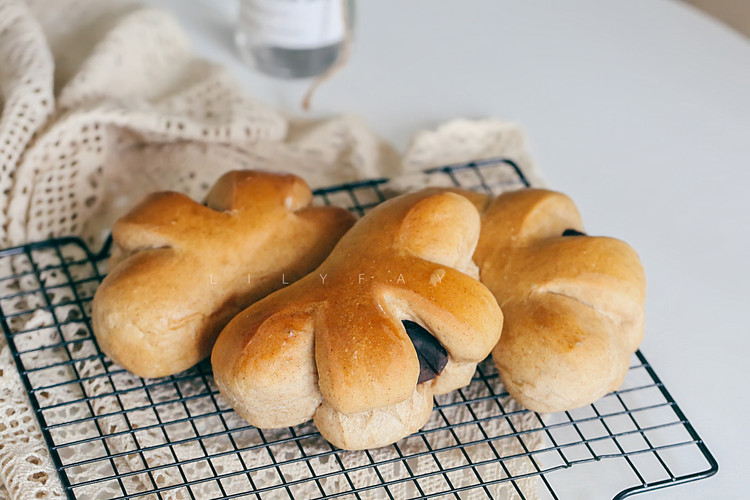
(573, 232)
(432, 356)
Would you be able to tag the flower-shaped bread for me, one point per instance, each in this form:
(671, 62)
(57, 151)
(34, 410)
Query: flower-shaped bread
(181, 270)
(333, 346)
(573, 304)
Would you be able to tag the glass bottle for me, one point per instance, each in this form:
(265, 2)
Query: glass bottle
(293, 38)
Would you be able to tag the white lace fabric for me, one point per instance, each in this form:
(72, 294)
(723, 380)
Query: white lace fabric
(102, 102)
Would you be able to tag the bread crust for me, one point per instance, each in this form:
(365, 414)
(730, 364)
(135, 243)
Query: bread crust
(408, 259)
(573, 305)
(181, 270)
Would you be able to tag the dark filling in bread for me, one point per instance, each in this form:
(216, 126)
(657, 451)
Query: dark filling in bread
(573, 232)
(432, 356)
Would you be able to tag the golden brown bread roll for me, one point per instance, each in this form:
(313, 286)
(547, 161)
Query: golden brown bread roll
(573, 304)
(181, 270)
(332, 346)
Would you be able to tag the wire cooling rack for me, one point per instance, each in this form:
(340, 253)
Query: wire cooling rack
(114, 435)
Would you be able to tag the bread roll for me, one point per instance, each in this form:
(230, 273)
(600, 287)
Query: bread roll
(573, 304)
(333, 346)
(180, 270)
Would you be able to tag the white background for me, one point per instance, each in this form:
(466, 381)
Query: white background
(640, 110)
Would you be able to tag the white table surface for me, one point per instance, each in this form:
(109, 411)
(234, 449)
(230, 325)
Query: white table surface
(640, 110)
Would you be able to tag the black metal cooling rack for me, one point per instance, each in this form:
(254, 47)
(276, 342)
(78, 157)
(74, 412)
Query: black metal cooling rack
(114, 435)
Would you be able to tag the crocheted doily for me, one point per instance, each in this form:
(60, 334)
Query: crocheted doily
(102, 102)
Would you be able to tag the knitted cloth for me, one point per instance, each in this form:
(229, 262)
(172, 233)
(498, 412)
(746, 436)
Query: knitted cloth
(102, 102)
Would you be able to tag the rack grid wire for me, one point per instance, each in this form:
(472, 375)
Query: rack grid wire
(114, 435)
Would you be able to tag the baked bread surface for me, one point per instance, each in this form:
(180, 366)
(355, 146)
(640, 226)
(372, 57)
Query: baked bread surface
(332, 346)
(573, 305)
(181, 270)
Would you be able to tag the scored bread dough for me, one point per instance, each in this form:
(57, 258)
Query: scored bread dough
(332, 346)
(573, 304)
(181, 270)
